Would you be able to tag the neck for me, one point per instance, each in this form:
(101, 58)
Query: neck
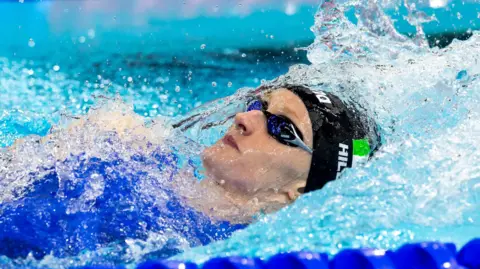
(217, 203)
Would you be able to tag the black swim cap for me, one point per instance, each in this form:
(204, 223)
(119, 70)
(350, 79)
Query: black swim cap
(340, 135)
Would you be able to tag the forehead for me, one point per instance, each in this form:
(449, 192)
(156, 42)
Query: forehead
(281, 94)
(286, 101)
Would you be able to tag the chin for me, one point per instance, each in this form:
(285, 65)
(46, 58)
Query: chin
(207, 159)
(215, 167)
(211, 160)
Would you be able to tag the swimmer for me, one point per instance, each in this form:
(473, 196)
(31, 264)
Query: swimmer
(288, 141)
(285, 141)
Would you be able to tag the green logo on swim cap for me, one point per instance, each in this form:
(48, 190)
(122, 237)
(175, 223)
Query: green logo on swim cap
(361, 147)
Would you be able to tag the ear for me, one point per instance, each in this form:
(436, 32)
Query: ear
(295, 190)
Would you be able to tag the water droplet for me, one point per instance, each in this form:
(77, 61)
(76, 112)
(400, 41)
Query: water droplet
(31, 43)
(272, 37)
(229, 84)
(459, 15)
(21, 1)
(214, 84)
(177, 89)
(244, 55)
(82, 39)
(91, 34)
(30, 72)
(203, 46)
(129, 79)
(56, 68)
(290, 9)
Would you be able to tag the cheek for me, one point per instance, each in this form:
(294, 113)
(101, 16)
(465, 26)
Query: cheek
(280, 167)
(243, 173)
(257, 168)
(251, 172)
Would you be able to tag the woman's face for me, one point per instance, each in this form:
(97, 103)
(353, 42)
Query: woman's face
(247, 160)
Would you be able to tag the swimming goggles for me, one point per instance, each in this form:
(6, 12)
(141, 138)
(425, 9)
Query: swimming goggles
(279, 127)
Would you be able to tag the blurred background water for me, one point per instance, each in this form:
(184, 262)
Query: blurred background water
(164, 56)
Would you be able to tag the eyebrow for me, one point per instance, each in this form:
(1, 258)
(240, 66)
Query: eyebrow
(293, 113)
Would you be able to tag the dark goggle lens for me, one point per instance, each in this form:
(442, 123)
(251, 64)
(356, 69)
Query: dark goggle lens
(280, 128)
(254, 105)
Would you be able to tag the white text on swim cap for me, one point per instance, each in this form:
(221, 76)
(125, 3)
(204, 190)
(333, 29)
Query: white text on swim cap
(323, 98)
(342, 157)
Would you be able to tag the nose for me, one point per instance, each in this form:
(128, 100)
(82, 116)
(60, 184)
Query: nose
(250, 122)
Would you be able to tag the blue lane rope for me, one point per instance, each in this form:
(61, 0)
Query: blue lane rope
(426, 255)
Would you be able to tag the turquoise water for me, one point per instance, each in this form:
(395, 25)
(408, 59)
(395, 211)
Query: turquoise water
(62, 56)
(422, 185)
(97, 53)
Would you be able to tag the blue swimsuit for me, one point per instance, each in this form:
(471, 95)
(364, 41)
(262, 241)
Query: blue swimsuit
(42, 221)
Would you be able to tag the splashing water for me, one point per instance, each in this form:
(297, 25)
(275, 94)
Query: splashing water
(98, 192)
(423, 184)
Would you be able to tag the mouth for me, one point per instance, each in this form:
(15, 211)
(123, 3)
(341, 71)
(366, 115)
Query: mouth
(229, 140)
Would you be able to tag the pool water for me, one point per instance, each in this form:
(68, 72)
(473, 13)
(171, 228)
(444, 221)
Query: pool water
(422, 185)
(65, 54)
